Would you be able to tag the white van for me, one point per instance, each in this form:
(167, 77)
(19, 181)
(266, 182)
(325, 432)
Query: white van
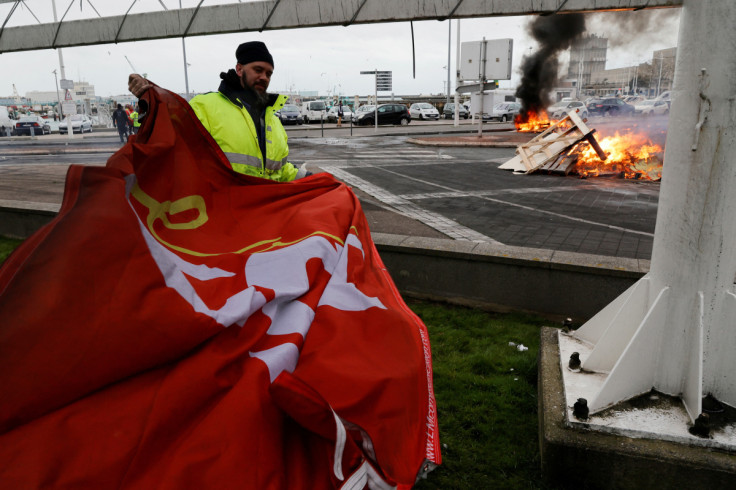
(314, 111)
(6, 124)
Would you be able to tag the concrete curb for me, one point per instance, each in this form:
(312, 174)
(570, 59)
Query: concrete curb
(551, 283)
(588, 459)
(61, 151)
(489, 144)
(431, 130)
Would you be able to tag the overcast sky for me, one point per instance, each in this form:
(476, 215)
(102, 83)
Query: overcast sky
(324, 59)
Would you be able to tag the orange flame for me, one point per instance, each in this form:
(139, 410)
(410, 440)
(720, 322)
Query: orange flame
(534, 121)
(634, 155)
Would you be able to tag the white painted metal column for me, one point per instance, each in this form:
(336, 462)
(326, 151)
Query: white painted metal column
(675, 330)
(456, 116)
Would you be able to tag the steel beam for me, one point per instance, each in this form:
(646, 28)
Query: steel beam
(675, 330)
(290, 14)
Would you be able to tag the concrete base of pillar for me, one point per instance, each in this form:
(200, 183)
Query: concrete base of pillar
(573, 456)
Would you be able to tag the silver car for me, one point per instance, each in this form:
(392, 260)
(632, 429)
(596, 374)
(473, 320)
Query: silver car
(347, 115)
(81, 123)
(562, 108)
(505, 111)
(423, 110)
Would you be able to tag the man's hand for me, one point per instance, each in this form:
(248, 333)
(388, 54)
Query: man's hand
(138, 85)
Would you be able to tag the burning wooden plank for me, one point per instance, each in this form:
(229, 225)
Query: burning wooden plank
(632, 155)
(546, 148)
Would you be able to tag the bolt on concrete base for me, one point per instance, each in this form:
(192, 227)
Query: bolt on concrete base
(572, 453)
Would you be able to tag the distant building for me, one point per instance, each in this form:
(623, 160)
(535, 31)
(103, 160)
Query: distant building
(83, 91)
(663, 69)
(649, 79)
(587, 56)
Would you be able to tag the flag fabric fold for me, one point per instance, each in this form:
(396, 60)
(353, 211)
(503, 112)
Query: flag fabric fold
(180, 325)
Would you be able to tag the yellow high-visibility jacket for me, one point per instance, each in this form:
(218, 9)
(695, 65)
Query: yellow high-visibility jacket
(233, 129)
(134, 117)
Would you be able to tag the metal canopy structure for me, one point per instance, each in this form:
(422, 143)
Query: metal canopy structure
(280, 14)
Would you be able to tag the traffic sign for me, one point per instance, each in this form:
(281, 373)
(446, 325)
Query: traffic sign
(68, 96)
(66, 84)
(383, 81)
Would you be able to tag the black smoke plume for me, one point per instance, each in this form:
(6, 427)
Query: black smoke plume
(554, 33)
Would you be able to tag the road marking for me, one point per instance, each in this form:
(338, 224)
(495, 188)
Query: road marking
(528, 208)
(409, 209)
(353, 163)
(528, 190)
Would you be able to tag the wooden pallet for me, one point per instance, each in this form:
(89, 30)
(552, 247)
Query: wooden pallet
(546, 148)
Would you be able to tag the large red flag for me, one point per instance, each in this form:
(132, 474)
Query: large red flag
(180, 325)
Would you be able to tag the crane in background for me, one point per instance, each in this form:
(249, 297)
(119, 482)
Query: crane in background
(16, 96)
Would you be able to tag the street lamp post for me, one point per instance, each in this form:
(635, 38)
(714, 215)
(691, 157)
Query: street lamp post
(184, 51)
(449, 46)
(58, 97)
(456, 117)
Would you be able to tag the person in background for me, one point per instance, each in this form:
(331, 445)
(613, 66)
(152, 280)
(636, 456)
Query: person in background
(120, 121)
(129, 112)
(134, 118)
(240, 116)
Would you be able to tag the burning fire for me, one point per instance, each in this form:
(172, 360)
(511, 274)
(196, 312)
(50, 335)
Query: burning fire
(633, 154)
(533, 121)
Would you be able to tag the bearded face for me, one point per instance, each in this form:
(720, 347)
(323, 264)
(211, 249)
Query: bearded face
(256, 76)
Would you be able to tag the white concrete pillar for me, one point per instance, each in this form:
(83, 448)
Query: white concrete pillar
(675, 330)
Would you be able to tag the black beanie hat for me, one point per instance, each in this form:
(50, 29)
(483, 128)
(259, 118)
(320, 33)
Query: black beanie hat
(253, 51)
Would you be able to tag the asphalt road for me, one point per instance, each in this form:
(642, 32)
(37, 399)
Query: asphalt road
(408, 189)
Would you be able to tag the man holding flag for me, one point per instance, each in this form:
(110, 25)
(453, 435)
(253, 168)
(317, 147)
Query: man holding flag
(181, 324)
(241, 115)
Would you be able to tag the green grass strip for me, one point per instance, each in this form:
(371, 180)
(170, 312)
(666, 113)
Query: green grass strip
(486, 391)
(7, 245)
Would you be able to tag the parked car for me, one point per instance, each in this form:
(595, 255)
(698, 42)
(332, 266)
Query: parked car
(289, 114)
(505, 111)
(387, 114)
(80, 124)
(610, 107)
(651, 107)
(361, 109)
(423, 110)
(667, 97)
(39, 125)
(313, 111)
(634, 99)
(563, 107)
(347, 115)
(7, 125)
(449, 111)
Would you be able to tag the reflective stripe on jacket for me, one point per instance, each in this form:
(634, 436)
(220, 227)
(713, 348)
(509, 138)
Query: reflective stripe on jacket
(233, 129)
(134, 117)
